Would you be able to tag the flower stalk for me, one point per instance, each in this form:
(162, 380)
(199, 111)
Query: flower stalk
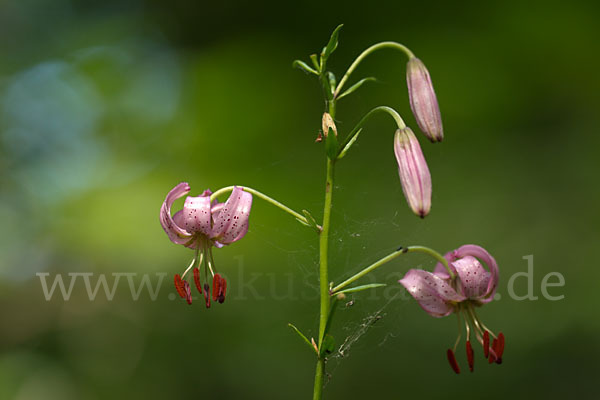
(301, 218)
(387, 259)
(364, 54)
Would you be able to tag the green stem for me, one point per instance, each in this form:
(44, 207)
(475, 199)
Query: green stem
(320, 372)
(385, 109)
(389, 258)
(364, 54)
(324, 277)
(323, 252)
(263, 196)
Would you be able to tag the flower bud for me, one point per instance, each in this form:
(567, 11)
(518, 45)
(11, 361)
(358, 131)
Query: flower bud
(413, 171)
(326, 123)
(423, 101)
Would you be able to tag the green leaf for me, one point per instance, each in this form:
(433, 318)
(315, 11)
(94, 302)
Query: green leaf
(302, 336)
(349, 144)
(356, 86)
(331, 145)
(311, 220)
(327, 87)
(315, 61)
(332, 80)
(332, 45)
(328, 345)
(304, 67)
(361, 288)
(303, 222)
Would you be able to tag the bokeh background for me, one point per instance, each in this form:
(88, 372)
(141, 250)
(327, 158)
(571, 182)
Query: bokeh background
(105, 106)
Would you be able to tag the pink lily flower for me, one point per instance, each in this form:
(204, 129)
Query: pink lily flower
(200, 225)
(423, 100)
(413, 171)
(467, 285)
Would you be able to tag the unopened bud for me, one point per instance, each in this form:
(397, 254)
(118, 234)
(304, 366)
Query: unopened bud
(326, 123)
(413, 171)
(423, 100)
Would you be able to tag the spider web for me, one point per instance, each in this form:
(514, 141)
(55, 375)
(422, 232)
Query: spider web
(350, 252)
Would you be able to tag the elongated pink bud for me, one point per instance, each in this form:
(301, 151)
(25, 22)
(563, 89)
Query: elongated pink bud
(413, 171)
(423, 101)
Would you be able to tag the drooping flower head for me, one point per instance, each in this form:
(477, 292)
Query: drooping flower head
(200, 225)
(466, 284)
(423, 100)
(413, 171)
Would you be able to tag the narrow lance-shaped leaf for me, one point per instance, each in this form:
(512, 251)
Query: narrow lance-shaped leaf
(333, 42)
(311, 220)
(327, 87)
(361, 288)
(356, 86)
(331, 145)
(349, 144)
(315, 61)
(304, 67)
(302, 336)
(332, 80)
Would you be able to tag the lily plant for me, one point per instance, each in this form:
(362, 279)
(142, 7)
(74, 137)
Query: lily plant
(458, 285)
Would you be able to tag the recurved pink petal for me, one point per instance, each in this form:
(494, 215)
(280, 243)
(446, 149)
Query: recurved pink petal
(482, 255)
(176, 233)
(473, 277)
(197, 215)
(231, 219)
(432, 293)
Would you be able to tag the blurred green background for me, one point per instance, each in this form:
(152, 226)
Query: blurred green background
(105, 106)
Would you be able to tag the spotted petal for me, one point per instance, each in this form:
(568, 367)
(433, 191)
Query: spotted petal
(432, 293)
(473, 277)
(176, 233)
(197, 215)
(231, 220)
(482, 255)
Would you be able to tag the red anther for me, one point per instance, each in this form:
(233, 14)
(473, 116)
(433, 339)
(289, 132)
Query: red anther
(179, 286)
(486, 344)
(222, 290)
(206, 293)
(197, 279)
(216, 286)
(470, 355)
(499, 348)
(452, 361)
(188, 292)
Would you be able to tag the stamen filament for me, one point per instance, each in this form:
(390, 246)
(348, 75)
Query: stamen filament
(197, 260)
(459, 332)
(478, 322)
(211, 262)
